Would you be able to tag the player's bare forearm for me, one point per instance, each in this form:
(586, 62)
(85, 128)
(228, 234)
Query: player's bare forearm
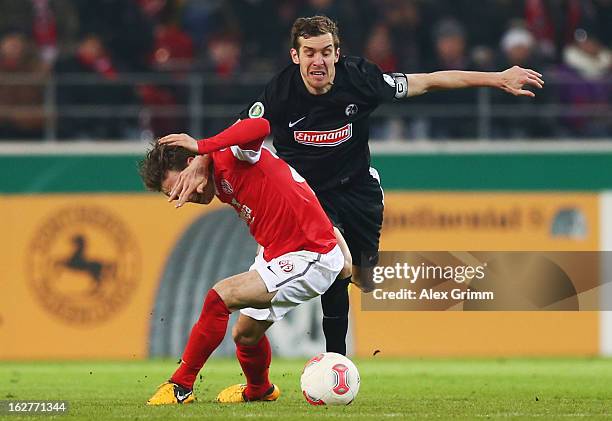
(512, 80)
(449, 79)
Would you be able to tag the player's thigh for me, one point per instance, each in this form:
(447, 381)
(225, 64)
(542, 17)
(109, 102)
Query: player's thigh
(362, 229)
(360, 218)
(330, 203)
(248, 331)
(244, 290)
(332, 206)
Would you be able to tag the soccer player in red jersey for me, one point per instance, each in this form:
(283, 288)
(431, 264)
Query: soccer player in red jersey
(299, 260)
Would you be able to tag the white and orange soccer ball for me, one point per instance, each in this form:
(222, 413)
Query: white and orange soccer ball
(330, 379)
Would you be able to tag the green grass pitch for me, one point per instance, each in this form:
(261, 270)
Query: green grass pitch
(390, 389)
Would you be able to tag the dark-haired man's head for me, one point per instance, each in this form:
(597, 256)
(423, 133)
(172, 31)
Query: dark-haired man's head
(315, 47)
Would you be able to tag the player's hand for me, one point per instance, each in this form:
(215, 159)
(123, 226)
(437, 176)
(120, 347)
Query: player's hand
(364, 283)
(193, 178)
(514, 80)
(362, 278)
(180, 139)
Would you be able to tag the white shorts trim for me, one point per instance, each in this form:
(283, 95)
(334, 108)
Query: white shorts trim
(296, 278)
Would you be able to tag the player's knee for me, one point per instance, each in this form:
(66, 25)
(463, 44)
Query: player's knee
(335, 301)
(347, 269)
(244, 337)
(348, 261)
(226, 291)
(346, 253)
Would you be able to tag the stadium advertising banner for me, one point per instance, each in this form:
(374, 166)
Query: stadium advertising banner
(80, 272)
(483, 221)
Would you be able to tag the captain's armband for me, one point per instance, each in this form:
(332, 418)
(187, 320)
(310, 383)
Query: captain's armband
(399, 81)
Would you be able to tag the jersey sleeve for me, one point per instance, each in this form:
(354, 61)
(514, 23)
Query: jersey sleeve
(373, 83)
(244, 138)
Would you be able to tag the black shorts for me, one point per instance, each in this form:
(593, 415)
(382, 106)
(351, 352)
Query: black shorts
(356, 209)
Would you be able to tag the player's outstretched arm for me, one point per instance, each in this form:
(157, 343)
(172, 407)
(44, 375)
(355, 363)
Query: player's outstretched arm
(512, 80)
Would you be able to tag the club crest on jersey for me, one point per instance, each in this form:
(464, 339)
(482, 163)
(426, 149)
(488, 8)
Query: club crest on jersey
(351, 109)
(285, 265)
(256, 110)
(324, 137)
(226, 187)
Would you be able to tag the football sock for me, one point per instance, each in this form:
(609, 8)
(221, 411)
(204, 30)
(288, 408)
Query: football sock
(255, 363)
(205, 337)
(335, 303)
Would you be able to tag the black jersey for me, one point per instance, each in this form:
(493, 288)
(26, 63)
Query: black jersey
(325, 137)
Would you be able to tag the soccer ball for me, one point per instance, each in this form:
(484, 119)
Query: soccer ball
(330, 379)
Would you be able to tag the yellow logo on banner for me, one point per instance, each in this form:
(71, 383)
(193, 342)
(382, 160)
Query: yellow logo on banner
(83, 265)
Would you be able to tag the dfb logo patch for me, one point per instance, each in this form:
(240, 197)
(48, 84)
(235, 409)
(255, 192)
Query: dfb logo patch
(257, 110)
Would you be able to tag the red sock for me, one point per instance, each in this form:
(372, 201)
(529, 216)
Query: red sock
(255, 363)
(205, 337)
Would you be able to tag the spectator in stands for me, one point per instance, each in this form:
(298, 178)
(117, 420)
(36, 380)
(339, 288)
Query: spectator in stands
(22, 116)
(553, 23)
(484, 22)
(123, 27)
(518, 49)
(172, 55)
(585, 76)
(224, 51)
(287, 12)
(173, 49)
(103, 91)
(409, 38)
(260, 43)
(450, 50)
(200, 19)
(53, 25)
(378, 48)
(221, 66)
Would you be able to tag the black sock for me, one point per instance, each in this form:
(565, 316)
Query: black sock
(335, 303)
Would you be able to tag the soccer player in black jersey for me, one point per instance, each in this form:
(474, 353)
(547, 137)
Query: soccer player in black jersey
(319, 108)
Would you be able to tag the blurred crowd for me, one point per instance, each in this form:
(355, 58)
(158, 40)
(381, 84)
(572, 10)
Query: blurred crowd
(107, 40)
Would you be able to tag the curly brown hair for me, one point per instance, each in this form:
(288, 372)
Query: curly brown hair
(159, 160)
(314, 26)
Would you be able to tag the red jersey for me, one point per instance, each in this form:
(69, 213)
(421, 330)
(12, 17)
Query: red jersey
(280, 209)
